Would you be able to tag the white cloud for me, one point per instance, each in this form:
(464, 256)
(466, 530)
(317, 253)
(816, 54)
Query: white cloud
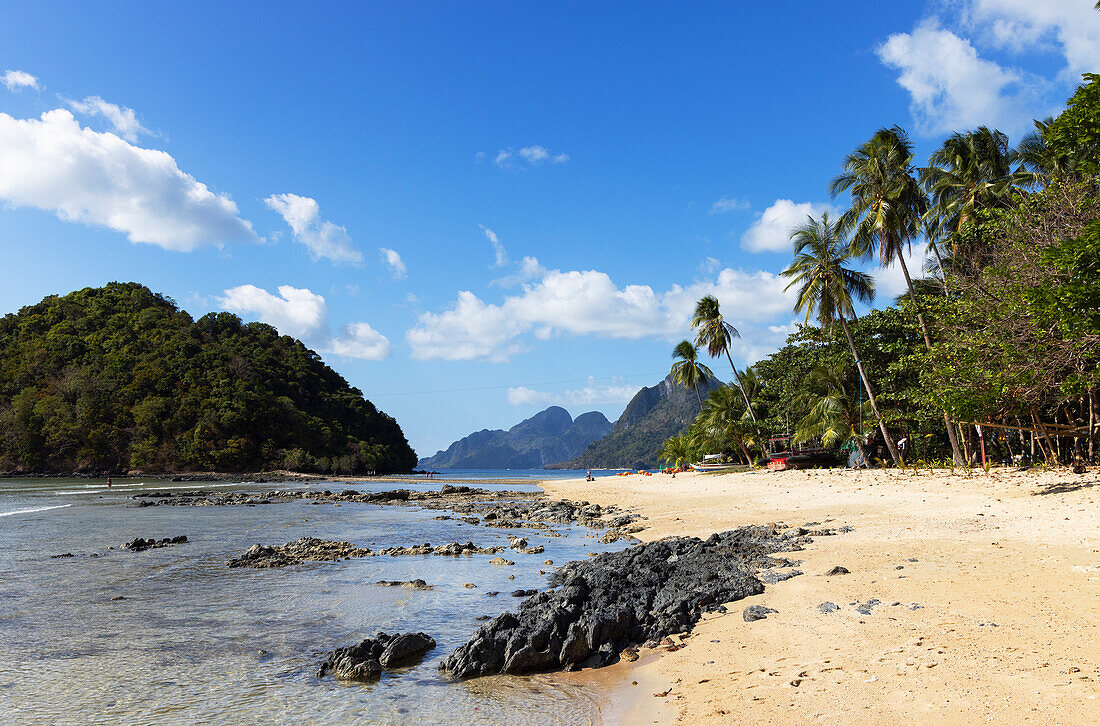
(321, 238)
(890, 281)
(393, 259)
(952, 88)
(587, 303)
(18, 80)
(123, 119)
(97, 178)
(500, 254)
(1071, 27)
(771, 232)
(729, 204)
(303, 314)
(593, 394)
(533, 155)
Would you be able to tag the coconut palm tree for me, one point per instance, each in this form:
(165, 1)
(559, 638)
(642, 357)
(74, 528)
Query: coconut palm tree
(826, 289)
(715, 334)
(722, 422)
(835, 415)
(887, 208)
(971, 171)
(688, 370)
(676, 451)
(1038, 162)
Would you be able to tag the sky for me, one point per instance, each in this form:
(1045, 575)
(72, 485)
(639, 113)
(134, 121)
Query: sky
(474, 210)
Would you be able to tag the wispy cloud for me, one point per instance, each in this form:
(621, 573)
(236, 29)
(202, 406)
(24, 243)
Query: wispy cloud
(18, 80)
(123, 119)
(396, 264)
(500, 254)
(729, 204)
(55, 164)
(528, 156)
(593, 394)
(322, 238)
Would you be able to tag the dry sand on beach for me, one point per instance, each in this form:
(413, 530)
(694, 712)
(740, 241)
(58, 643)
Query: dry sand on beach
(989, 591)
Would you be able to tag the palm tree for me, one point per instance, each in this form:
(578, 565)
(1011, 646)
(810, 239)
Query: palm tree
(676, 451)
(827, 288)
(834, 414)
(1038, 162)
(715, 334)
(722, 422)
(688, 371)
(971, 171)
(887, 207)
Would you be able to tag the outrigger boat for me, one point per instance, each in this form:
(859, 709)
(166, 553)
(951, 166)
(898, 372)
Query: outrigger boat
(785, 456)
(710, 463)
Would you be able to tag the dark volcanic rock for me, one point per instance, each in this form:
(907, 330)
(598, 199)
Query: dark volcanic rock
(417, 584)
(622, 599)
(756, 612)
(140, 545)
(295, 553)
(838, 570)
(369, 658)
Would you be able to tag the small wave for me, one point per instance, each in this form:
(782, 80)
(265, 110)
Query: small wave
(33, 509)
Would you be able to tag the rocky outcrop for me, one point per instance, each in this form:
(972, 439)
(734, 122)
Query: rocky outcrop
(140, 545)
(295, 553)
(622, 599)
(416, 584)
(454, 549)
(369, 658)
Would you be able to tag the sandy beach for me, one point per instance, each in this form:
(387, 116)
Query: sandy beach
(988, 591)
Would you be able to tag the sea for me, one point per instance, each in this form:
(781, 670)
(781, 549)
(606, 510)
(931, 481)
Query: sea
(174, 636)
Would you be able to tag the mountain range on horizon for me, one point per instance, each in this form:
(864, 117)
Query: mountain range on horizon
(548, 437)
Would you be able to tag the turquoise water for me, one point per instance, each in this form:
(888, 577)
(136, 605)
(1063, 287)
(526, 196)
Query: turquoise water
(194, 642)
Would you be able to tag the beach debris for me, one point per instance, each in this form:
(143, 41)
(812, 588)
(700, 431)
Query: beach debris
(369, 658)
(838, 570)
(756, 612)
(297, 552)
(140, 545)
(828, 608)
(622, 599)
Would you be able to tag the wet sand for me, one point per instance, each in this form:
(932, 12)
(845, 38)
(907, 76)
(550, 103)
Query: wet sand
(996, 580)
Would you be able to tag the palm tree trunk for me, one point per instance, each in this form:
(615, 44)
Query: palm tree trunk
(956, 452)
(737, 376)
(939, 261)
(890, 446)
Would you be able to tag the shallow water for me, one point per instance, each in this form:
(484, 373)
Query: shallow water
(196, 642)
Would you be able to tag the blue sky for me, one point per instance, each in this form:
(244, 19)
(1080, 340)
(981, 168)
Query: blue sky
(474, 210)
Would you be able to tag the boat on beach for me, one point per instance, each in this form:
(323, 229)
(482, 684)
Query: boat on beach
(711, 462)
(785, 456)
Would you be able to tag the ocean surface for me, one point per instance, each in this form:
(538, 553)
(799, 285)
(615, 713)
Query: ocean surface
(195, 642)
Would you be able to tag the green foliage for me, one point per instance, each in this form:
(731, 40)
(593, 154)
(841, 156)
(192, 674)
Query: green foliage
(1072, 295)
(1076, 132)
(118, 377)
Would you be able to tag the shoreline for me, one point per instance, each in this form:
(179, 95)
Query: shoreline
(996, 582)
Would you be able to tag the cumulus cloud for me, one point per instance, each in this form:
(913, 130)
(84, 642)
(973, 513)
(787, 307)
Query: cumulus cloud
(952, 87)
(18, 80)
(586, 303)
(771, 232)
(729, 204)
(1070, 27)
(593, 394)
(55, 164)
(528, 156)
(303, 314)
(499, 253)
(890, 281)
(322, 238)
(123, 119)
(396, 264)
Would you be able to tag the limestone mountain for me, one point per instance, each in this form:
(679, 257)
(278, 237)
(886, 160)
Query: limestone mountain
(547, 437)
(653, 415)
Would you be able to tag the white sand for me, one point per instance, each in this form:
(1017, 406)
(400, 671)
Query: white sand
(1007, 580)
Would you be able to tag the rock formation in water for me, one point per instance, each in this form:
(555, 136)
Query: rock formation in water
(369, 658)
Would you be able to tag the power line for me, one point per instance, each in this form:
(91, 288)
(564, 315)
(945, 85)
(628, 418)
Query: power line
(513, 385)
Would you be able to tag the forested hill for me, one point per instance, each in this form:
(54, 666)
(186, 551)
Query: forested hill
(118, 378)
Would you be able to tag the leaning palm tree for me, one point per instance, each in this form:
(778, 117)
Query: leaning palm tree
(688, 370)
(887, 207)
(826, 289)
(715, 334)
(722, 422)
(676, 451)
(834, 414)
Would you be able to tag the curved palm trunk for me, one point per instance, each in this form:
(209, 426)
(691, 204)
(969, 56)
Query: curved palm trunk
(744, 395)
(956, 452)
(939, 262)
(890, 446)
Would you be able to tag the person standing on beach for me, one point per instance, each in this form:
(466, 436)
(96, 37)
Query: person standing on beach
(108, 482)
